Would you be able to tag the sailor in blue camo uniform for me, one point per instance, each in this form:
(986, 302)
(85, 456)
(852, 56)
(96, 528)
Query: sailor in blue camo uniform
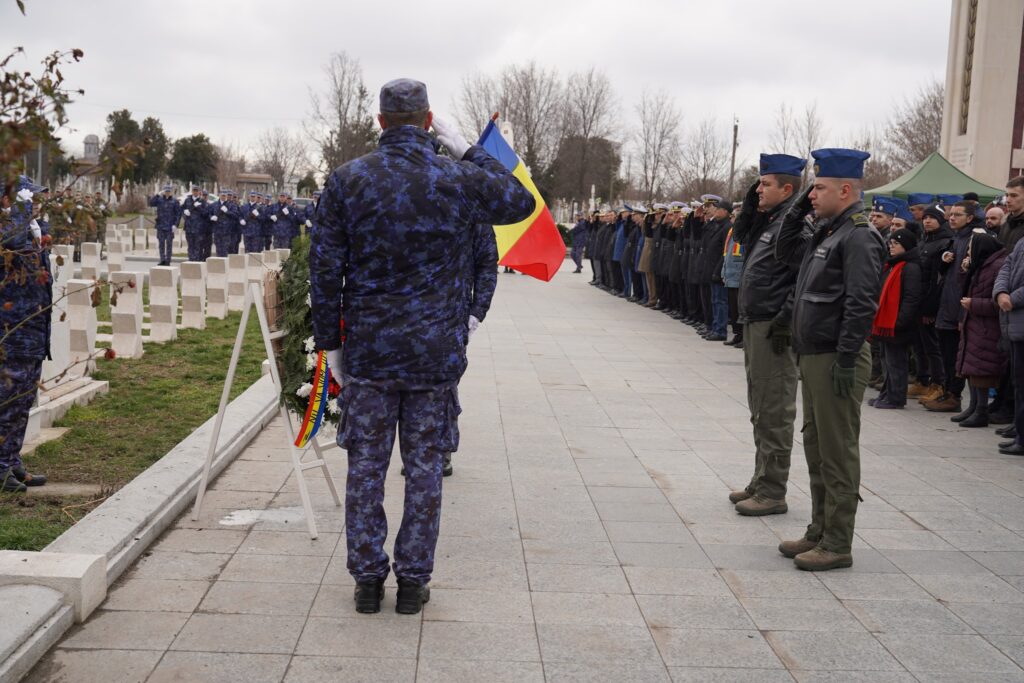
(212, 219)
(285, 218)
(193, 208)
(227, 215)
(391, 237)
(168, 213)
(251, 223)
(267, 225)
(25, 293)
(310, 212)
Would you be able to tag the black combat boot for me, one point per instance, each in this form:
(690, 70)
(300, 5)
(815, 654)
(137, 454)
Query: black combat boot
(411, 597)
(368, 596)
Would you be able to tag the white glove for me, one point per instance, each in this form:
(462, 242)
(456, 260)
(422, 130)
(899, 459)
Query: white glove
(69, 219)
(78, 206)
(26, 195)
(187, 212)
(473, 324)
(334, 358)
(223, 209)
(273, 218)
(255, 213)
(213, 218)
(450, 137)
(241, 222)
(309, 224)
(285, 211)
(37, 232)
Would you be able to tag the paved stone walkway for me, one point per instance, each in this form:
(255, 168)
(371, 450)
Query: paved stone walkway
(586, 536)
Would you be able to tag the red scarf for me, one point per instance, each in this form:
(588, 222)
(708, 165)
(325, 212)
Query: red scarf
(889, 304)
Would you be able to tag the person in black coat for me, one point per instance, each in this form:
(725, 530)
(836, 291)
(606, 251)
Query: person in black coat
(931, 375)
(897, 318)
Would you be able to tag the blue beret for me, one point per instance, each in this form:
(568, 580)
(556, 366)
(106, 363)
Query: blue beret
(915, 198)
(783, 164)
(887, 205)
(950, 199)
(835, 162)
(403, 95)
(903, 209)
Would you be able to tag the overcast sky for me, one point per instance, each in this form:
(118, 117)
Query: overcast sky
(231, 69)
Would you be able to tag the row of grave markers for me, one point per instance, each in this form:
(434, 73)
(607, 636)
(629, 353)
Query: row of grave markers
(207, 289)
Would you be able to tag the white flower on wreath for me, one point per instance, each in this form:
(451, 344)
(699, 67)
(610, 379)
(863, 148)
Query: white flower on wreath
(304, 391)
(310, 345)
(310, 361)
(332, 407)
(309, 301)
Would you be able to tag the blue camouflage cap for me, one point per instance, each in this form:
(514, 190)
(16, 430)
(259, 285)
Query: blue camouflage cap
(950, 199)
(403, 95)
(26, 183)
(836, 162)
(920, 198)
(781, 164)
(168, 188)
(317, 193)
(887, 205)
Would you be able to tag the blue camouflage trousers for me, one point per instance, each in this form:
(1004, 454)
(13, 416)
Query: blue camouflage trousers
(253, 242)
(18, 379)
(223, 241)
(194, 239)
(426, 417)
(165, 237)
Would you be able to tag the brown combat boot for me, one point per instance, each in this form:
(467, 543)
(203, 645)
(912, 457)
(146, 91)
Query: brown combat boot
(820, 560)
(737, 496)
(916, 390)
(944, 404)
(758, 506)
(932, 393)
(793, 548)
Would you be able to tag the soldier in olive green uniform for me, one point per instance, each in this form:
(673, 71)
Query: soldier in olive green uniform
(835, 300)
(765, 306)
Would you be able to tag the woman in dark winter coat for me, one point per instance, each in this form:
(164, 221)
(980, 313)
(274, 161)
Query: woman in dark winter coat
(980, 359)
(895, 322)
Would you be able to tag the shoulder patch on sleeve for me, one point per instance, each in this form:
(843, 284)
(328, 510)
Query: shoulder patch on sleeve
(860, 220)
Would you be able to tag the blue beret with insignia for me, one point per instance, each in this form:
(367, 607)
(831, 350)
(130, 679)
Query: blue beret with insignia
(782, 164)
(836, 162)
(922, 198)
(950, 199)
(887, 205)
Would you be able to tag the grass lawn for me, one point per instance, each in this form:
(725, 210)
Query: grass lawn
(154, 402)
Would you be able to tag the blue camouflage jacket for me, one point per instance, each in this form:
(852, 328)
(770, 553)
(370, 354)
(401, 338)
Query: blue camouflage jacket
(25, 289)
(196, 220)
(168, 211)
(484, 268)
(251, 225)
(286, 223)
(389, 244)
(229, 213)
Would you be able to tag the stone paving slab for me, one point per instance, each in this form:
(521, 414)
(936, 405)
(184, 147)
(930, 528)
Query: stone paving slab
(586, 536)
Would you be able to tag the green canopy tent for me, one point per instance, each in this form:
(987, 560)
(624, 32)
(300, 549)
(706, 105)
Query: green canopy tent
(934, 175)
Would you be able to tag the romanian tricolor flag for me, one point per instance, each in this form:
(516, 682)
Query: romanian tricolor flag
(533, 247)
(317, 402)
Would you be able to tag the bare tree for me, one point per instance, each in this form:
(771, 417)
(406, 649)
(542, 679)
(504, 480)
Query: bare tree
(230, 162)
(914, 130)
(783, 137)
(879, 168)
(656, 141)
(342, 124)
(280, 154)
(529, 97)
(476, 102)
(588, 109)
(810, 131)
(704, 159)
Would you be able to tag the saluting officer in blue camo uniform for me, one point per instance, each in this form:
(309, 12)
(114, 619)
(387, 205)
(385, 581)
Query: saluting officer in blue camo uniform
(168, 213)
(285, 219)
(212, 219)
(390, 243)
(251, 223)
(266, 225)
(193, 208)
(229, 213)
(310, 212)
(24, 302)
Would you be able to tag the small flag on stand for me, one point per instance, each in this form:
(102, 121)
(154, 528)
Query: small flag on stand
(534, 246)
